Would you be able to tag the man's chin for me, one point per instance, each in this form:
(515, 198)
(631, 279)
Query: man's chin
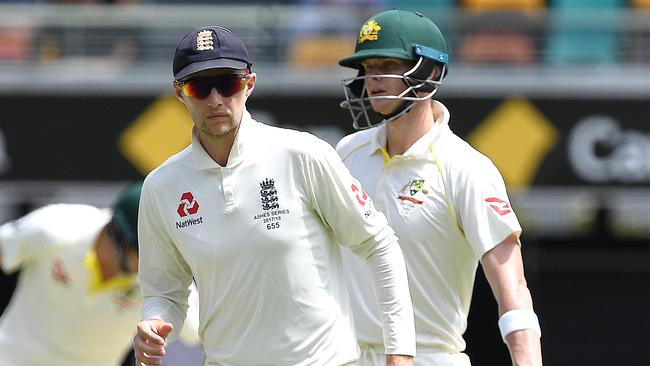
(385, 111)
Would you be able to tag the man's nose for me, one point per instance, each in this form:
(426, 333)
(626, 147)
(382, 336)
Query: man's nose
(215, 98)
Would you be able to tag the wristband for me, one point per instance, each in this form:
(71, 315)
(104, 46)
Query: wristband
(518, 319)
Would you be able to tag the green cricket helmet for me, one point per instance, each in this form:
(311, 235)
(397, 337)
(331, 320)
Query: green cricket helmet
(400, 34)
(122, 230)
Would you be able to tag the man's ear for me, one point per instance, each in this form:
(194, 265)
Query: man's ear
(436, 72)
(177, 90)
(250, 83)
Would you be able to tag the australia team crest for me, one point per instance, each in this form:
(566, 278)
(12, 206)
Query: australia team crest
(410, 189)
(369, 32)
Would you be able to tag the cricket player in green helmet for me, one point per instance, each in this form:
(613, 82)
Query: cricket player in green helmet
(419, 41)
(446, 201)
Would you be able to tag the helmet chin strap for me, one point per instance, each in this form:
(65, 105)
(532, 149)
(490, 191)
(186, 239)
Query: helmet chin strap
(404, 107)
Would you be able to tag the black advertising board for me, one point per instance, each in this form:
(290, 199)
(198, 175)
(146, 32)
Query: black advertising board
(594, 142)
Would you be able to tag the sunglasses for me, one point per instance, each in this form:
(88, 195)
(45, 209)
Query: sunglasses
(226, 85)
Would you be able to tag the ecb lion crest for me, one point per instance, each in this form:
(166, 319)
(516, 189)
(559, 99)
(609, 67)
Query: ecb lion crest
(269, 195)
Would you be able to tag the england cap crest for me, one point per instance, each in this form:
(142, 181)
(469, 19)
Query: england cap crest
(209, 48)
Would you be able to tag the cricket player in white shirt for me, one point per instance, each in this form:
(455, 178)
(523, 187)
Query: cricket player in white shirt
(446, 201)
(76, 301)
(257, 216)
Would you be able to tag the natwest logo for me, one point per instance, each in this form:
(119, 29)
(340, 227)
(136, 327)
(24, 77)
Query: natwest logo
(188, 205)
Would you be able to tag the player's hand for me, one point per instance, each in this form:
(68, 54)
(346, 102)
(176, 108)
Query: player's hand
(150, 341)
(399, 360)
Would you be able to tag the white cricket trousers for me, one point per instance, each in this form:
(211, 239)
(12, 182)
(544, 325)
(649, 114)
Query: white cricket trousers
(372, 355)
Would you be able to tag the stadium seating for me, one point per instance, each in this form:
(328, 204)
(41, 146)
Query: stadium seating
(583, 32)
(487, 5)
(498, 32)
(640, 4)
(639, 37)
(319, 51)
(420, 4)
(15, 43)
(495, 47)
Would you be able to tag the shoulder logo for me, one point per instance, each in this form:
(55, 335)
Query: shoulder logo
(369, 32)
(269, 195)
(188, 205)
(361, 195)
(58, 271)
(363, 199)
(499, 206)
(204, 41)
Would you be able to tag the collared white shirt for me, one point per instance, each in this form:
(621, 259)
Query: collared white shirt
(448, 205)
(53, 318)
(261, 237)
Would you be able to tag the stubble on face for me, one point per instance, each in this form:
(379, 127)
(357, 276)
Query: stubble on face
(382, 86)
(217, 123)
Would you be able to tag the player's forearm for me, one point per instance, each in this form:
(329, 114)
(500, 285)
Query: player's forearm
(518, 322)
(516, 297)
(525, 348)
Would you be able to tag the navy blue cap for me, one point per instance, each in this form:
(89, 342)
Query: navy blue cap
(209, 47)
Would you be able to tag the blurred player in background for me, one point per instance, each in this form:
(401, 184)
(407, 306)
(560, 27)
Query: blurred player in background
(76, 301)
(446, 201)
(253, 213)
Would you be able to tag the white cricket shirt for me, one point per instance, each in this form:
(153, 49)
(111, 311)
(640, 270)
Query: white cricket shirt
(261, 238)
(53, 319)
(414, 193)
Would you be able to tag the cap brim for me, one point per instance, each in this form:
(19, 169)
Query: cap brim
(353, 61)
(210, 64)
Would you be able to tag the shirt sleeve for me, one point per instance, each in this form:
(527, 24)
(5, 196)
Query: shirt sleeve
(164, 275)
(484, 209)
(346, 208)
(36, 234)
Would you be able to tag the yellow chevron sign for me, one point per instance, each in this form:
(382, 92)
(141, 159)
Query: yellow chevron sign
(517, 137)
(162, 130)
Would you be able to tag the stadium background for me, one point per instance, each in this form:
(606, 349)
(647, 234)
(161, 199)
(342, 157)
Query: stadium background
(556, 92)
